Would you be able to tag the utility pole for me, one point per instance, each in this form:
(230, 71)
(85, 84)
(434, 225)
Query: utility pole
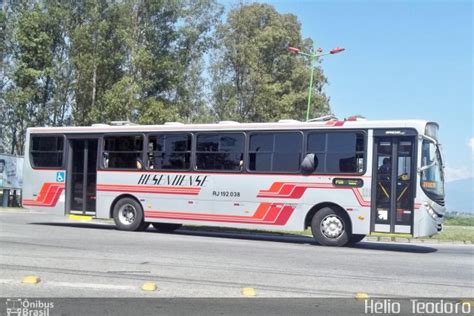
(313, 56)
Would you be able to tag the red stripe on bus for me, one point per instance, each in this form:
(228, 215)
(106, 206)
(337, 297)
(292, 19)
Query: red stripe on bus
(148, 189)
(273, 214)
(149, 192)
(334, 123)
(259, 214)
(295, 190)
(360, 198)
(151, 187)
(48, 196)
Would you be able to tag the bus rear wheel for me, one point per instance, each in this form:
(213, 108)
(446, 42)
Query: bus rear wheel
(128, 215)
(166, 227)
(330, 228)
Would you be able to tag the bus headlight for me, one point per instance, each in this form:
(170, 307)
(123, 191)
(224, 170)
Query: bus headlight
(436, 216)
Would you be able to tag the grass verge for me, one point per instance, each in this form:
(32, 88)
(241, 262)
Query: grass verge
(459, 220)
(455, 233)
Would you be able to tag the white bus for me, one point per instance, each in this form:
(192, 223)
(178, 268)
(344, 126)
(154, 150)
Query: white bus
(344, 179)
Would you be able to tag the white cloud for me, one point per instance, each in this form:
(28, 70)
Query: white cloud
(461, 172)
(470, 143)
(453, 174)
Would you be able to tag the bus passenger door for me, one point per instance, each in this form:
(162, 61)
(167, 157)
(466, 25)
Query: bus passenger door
(82, 177)
(393, 185)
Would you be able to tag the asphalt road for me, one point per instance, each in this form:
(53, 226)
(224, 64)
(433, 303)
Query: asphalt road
(79, 259)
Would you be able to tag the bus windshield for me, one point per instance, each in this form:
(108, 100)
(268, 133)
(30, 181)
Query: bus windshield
(432, 176)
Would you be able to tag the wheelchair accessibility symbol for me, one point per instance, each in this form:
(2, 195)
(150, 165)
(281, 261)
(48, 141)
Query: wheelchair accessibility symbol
(60, 176)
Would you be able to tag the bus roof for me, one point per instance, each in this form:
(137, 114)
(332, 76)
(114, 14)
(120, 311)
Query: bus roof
(419, 125)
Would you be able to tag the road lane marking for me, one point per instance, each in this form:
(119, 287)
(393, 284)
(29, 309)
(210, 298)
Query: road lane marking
(31, 279)
(361, 296)
(248, 291)
(149, 286)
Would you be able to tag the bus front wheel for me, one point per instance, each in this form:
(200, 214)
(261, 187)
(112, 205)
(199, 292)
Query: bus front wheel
(128, 215)
(330, 227)
(166, 227)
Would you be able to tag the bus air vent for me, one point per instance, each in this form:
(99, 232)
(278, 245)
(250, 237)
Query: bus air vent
(323, 118)
(122, 123)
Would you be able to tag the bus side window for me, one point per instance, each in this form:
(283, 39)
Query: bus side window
(169, 151)
(277, 152)
(123, 152)
(46, 151)
(337, 152)
(222, 151)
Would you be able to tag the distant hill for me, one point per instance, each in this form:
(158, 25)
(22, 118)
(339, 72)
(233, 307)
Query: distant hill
(460, 195)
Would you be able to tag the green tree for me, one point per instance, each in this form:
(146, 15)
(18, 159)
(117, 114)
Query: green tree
(132, 58)
(166, 48)
(4, 39)
(254, 78)
(196, 38)
(98, 31)
(34, 39)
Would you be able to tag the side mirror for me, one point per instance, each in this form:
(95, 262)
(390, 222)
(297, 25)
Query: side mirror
(309, 164)
(105, 159)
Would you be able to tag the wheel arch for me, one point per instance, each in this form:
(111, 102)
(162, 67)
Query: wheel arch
(334, 206)
(118, 198)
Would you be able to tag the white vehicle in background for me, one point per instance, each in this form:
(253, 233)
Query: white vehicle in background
(344, 179)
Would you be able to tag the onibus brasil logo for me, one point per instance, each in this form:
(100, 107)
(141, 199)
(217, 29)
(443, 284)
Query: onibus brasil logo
(25, 307)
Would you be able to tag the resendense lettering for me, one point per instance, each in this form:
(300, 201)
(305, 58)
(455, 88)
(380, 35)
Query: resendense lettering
(172, 180)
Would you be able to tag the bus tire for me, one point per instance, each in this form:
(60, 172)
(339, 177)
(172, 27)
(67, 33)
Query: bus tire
(356, 239)
(128, 215)
(330, 227)
(166, 227)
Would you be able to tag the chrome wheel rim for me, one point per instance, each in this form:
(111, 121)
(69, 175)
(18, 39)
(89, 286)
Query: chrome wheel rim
(332, 226)
(127, 214)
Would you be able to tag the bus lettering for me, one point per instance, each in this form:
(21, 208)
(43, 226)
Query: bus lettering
(172, 180)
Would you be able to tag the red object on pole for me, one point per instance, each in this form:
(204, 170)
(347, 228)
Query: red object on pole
(336, 50)
(293, 50)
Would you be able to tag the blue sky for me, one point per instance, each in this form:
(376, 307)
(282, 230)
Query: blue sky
(404, 60)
